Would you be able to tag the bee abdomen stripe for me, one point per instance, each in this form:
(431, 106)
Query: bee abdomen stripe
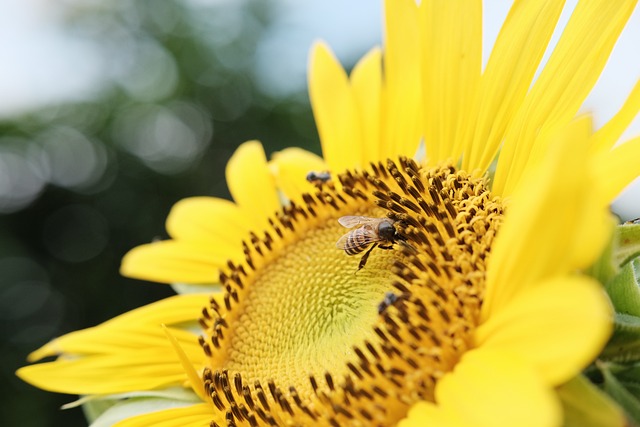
(356, 243)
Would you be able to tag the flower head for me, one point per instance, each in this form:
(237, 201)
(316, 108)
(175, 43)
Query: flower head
(471, 300)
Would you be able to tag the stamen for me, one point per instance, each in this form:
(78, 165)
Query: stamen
(417, 300)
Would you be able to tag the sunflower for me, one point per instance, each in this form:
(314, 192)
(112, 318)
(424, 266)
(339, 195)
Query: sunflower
(469, 308)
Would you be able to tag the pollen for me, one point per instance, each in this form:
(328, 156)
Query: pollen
(306, 337)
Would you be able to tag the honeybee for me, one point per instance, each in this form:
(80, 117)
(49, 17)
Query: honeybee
(371, 232)
(318, 178)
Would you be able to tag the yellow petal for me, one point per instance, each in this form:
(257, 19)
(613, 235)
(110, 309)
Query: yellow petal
(513, 62)
(609, 134)
(169, 311)
(251, 183)
(122, 370)
(496, 389)
(554, 224)
(177, 261)
(366, 82)
(128, 353)
(201, 415)
(429, 414)
(617, 168)
(401, 97)
(334, 110)
(105, 340)
(564, 83)
(559, 326)
(290, 168)
(136, 328)
(195, 381)
(452, 61)
(210, 220)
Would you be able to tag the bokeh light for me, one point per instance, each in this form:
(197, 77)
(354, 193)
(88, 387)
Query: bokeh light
(21, 180)
(70, 159)
(168, 138)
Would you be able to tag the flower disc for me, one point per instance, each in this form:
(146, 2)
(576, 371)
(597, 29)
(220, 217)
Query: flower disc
(304, 336)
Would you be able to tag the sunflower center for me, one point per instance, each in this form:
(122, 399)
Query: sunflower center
(308, 297)
(332, 337)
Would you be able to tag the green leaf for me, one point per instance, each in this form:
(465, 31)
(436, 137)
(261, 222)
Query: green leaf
(617, 391)
(94, 406)
(624, 289)
(627, 372)
(586, 406)
(624, 344)
(632, 387)
(623, 247)
(606, 267)
(628, 242)
(133, 407)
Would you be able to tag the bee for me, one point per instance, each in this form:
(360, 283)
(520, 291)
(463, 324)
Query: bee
(389, 299)
(318, 178)
(392, 299)
(370, 233)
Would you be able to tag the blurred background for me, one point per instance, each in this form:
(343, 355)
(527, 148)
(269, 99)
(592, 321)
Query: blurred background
(110, 112)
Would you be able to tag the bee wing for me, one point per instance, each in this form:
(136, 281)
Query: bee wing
(342, 241)
(367, 236)
(350, 221)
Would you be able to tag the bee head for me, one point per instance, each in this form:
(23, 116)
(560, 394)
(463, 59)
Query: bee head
(387, 231)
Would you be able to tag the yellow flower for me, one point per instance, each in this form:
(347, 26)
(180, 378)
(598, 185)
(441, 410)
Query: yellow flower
(470, 314)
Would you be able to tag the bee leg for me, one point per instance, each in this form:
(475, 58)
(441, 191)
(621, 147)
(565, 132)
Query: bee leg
(365, 257)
